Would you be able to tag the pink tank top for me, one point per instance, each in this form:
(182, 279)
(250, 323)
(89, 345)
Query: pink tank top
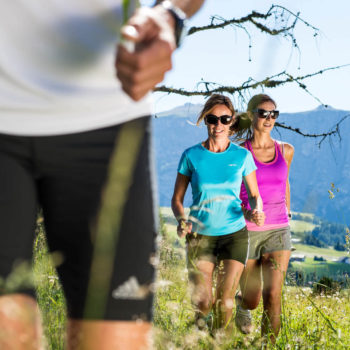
(271, 178)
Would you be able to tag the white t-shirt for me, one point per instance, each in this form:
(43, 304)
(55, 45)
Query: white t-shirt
(57, 73)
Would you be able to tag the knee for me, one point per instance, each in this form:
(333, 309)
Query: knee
(19, 306)
(19, 322)
(251, 303)
(250, 299)
(204, 304)
(226, 302)
(202, 300)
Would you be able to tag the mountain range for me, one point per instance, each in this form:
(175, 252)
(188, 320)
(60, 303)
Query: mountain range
(319, 175)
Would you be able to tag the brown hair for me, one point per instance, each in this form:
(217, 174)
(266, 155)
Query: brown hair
(213, 101)
(243, 123)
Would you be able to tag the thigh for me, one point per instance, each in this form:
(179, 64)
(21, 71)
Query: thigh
(274, 268)
(18, 209)
(201, 265)
(76, 169)
(200, 248)
(202, 280)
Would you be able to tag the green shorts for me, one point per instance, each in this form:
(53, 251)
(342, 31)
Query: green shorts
(261, 242)
(233, 246)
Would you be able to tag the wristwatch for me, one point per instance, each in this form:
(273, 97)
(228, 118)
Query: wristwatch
(290, 215)
(180, 20)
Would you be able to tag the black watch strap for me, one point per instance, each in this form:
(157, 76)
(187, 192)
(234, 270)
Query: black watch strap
(180, 20)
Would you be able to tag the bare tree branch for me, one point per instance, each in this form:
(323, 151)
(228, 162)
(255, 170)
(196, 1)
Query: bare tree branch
(333, 131)
(285, 23)
(275, 11)
(269, 82)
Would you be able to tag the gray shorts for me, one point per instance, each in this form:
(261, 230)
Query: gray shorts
(261, 242)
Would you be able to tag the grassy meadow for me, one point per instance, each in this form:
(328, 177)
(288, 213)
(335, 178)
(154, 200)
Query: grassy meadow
(310, 321)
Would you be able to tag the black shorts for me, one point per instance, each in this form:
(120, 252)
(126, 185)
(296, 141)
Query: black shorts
(64, 175)
(233, 246)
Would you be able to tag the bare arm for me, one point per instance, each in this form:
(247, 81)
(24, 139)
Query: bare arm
(152, 32)
(256, 215)
(184, 227)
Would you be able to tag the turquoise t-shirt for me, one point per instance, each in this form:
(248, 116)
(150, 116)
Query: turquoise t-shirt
(216, 180)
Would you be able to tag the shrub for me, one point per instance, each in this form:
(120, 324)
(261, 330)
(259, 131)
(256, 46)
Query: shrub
(326, 285)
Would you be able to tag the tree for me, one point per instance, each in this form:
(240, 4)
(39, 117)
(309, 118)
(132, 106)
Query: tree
(339, 246)
(277, 21)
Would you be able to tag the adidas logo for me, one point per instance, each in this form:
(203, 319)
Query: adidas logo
(131, 289)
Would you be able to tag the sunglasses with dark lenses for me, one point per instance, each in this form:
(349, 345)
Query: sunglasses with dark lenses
(264, 114)
(213, 119)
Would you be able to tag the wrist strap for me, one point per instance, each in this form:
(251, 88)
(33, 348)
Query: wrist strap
(180, 19)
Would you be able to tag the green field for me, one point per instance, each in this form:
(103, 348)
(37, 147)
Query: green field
(299, 226)
(311, 251)
(313, 271)
(309, 321)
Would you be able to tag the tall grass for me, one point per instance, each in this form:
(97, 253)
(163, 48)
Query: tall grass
(309, 321)
(49, 293)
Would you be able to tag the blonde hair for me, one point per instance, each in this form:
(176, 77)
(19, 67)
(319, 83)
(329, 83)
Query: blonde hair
(243, 124)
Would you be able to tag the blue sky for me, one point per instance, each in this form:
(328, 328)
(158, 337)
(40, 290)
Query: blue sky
(222, 55)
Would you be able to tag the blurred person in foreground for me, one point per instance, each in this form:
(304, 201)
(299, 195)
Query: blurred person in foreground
(270, 244)
(63, 117)
(215, 231)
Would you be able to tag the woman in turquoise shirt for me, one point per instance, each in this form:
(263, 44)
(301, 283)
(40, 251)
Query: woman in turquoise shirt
(215, 230)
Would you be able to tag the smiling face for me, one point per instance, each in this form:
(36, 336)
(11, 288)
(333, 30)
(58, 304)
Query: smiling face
(219, 130)
(262, 124)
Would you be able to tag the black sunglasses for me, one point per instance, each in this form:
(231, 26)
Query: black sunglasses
(213, 119)
(264, 114)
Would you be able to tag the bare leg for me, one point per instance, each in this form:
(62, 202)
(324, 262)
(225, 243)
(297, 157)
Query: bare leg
(251, 286)
(20, 325)
(228, 279)
(274, 267)
(202, 278)
(103, 335)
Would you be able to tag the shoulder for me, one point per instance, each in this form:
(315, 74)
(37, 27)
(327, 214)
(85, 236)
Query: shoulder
(239, 148)
(193, 149)
(240, 152)
(288, 149)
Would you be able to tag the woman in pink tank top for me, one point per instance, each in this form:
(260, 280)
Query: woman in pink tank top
(270, 244)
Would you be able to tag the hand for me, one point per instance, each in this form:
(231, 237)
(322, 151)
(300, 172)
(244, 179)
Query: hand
(152, 32)
(183, 228)
(258, 217)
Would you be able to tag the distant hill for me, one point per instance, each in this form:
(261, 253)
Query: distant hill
(313, 169)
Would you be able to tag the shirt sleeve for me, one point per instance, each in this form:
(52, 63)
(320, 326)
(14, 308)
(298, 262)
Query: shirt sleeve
(185, 167)
(249, 164)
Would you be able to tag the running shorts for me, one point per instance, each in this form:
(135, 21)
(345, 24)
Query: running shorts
(64, 175)
(261, 242)
(233, 246)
